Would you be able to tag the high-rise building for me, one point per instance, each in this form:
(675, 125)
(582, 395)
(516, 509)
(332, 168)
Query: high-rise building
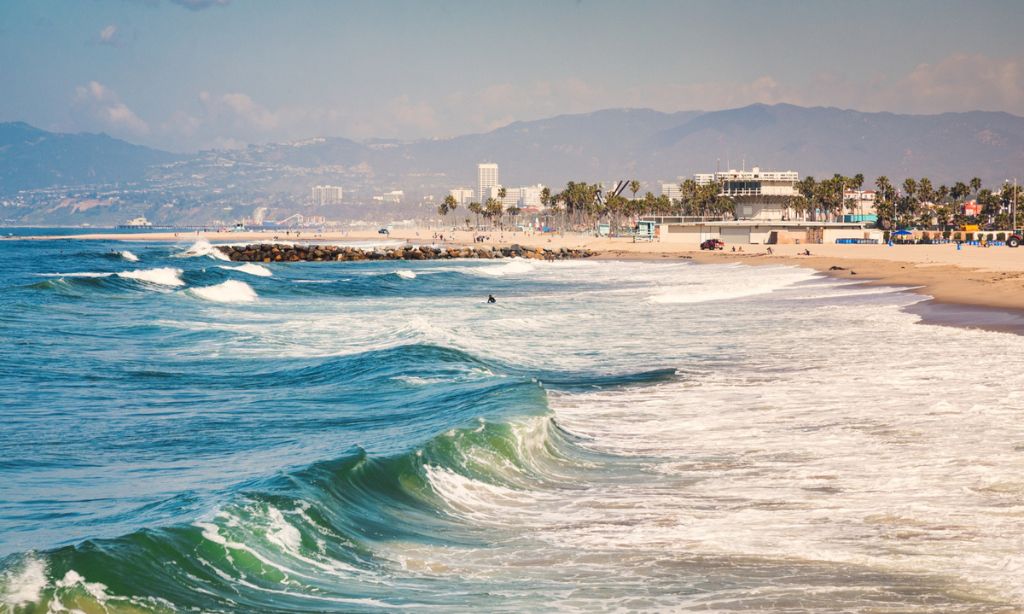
(487, 178)
(326, 195)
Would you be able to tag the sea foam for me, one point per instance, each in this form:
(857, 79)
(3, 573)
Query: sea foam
(513, 267)
(406, 274)
(231, 291)
(23, 585)
(127, 255)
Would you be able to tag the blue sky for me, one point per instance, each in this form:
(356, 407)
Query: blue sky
(188, 74)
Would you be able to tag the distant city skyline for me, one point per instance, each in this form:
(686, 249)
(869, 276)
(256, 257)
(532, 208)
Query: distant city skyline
(184, 75)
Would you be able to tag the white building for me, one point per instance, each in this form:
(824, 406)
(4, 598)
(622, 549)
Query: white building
(326, 195)
(462, 196)
(487, 178)
(859, 202)
(518, 198)
(529, 196)
(759, 195)
(394, 196)
(672, 190)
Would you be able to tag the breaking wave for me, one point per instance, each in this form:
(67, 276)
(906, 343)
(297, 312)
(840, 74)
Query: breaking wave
(203, 247)
(231, 291)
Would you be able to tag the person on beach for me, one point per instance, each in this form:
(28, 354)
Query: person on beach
(770, 252)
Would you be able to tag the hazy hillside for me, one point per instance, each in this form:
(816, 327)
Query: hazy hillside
(33, 158)
(821, 141)
(653, 146)
(602, 146)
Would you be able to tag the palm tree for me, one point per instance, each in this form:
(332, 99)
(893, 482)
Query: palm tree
(493, 209)
(808, 189)
(634, 187)
(975, 184)
(449, 204)
(476, 209)
(442, 209)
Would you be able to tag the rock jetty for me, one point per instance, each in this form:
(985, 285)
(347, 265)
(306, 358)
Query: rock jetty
(282, 252)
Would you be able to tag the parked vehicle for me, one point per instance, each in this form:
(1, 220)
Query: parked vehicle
(1015, 239)
(384, 231)
(713, 244)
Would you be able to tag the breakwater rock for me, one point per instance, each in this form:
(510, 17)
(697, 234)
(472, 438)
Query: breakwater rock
(283, 252)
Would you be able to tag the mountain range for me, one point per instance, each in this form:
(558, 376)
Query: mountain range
(604, 145)
(31, 158)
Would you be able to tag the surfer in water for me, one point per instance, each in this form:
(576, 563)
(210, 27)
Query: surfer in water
(491, 299)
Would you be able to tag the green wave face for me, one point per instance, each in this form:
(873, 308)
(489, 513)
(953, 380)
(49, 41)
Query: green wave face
(329, 537)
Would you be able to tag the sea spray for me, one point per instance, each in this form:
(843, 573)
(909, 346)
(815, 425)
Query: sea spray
(202, 247)
(127, 255)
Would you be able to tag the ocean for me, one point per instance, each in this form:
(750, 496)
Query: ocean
(183, 433)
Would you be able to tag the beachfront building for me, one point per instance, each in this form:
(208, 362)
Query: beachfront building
(327, 195)
(860, 206)
(486, 178)
(758, 194)
(462, 196)
(762, 214)
(971, 208)
(693, 231)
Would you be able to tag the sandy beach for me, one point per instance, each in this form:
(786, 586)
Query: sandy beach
(975, 276)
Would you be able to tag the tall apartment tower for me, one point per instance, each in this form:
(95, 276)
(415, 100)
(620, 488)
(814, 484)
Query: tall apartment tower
(487, 177)
(327, 195)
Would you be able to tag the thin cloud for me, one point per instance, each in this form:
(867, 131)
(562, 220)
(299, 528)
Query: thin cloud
(199, 5)
(109, 36)
(97, 106)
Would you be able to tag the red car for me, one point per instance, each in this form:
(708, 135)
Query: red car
(713, 244)
(1015, 240)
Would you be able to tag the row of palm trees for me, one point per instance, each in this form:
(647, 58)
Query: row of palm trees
(916, 203)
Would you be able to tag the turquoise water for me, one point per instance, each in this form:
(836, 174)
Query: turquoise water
(184, 433)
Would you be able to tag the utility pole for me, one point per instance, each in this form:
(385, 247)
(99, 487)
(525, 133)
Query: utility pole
(1013, 211)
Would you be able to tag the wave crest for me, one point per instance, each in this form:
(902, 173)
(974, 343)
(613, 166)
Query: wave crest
(231, 291)
(164, 276)
(252, 269)
(202, 247)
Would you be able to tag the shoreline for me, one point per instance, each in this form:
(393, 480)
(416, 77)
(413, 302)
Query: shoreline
(984, 279)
